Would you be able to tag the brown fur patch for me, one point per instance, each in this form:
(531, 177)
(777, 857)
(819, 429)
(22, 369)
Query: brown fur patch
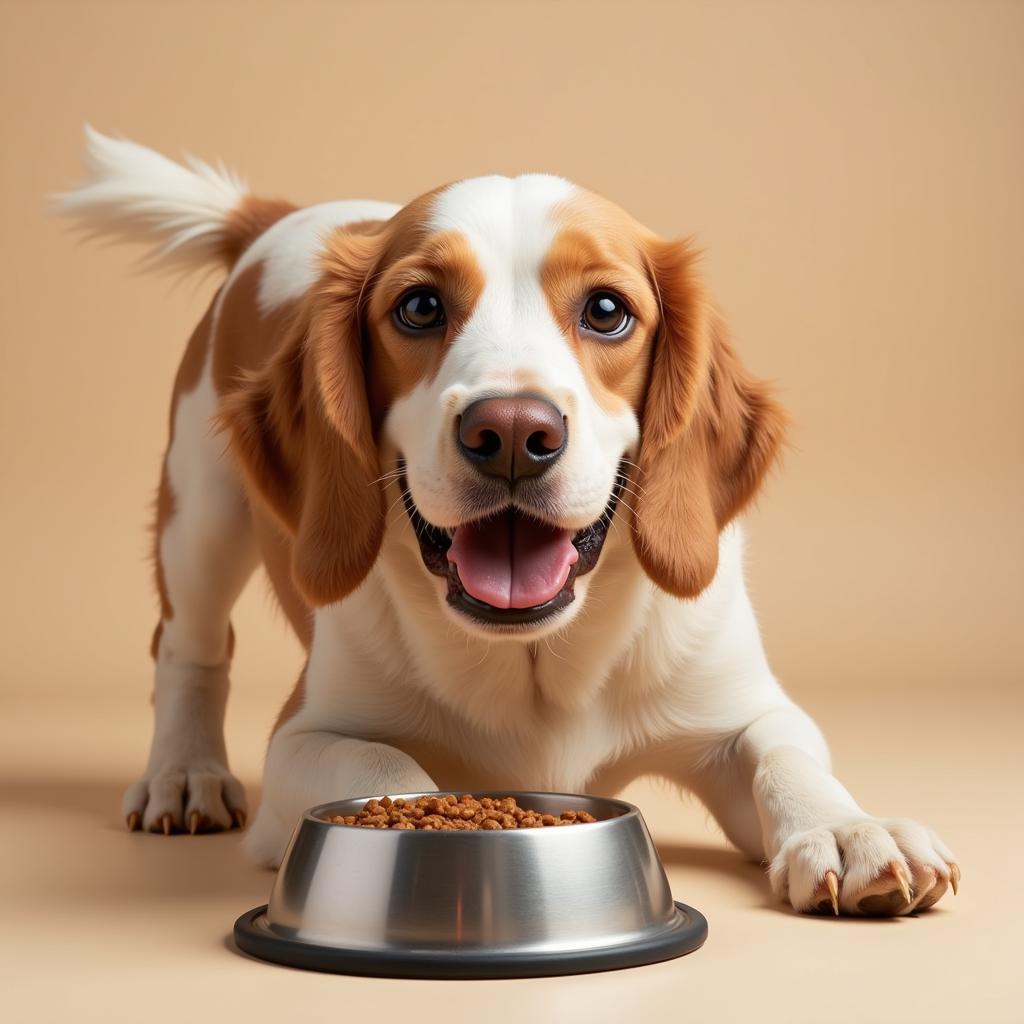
(362, 227)
(248, 221)
(598, 248)
(398, 361)
(246, 338)
(276, 551)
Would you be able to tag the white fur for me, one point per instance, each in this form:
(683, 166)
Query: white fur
(289, 248)
(632, 681)
(138, 195)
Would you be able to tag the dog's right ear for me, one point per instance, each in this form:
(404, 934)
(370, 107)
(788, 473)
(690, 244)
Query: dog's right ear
(300, 430)
(711, 432)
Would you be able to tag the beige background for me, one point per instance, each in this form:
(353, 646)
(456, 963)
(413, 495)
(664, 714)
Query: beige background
(854, 172)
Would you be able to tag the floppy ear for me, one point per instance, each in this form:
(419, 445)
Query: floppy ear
(300, 428)
(710, 433)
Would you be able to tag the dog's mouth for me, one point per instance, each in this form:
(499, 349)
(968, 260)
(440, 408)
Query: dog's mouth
(510, 568)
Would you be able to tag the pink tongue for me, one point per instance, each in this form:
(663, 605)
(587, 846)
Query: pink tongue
(509, 561)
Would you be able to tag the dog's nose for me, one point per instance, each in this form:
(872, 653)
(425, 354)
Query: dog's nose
(511, 437)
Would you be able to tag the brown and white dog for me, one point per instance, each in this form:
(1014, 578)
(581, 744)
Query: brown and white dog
(490, 447)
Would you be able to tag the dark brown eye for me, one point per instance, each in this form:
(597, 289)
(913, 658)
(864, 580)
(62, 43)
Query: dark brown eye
(605, 313)
(420, 310)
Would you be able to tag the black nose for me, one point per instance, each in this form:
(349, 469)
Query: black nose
(511, 437)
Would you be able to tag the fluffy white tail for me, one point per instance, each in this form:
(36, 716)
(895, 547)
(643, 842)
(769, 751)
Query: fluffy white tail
(189, 216)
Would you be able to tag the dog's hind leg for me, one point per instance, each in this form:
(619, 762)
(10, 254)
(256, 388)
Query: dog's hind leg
(205, 552)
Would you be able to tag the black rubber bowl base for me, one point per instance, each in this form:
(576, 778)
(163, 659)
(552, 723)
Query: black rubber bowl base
(253, 936)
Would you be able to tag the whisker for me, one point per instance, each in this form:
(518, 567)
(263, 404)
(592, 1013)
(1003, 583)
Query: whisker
(626, 505)
(392, 474)
(401, 497)
(487, 650)
(547, 644)
(632, 493)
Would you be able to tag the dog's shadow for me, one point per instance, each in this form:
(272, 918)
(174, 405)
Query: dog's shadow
(694, 863)
(72, 830)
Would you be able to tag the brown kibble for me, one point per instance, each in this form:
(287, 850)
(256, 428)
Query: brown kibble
(451, 813)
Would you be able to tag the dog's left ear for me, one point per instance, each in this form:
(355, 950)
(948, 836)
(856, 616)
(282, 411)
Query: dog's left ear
(709, 434)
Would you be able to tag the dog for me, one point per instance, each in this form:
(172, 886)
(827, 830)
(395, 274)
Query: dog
(491, 448)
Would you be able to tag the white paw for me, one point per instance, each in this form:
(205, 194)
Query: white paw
(864, 866)
(199, 796)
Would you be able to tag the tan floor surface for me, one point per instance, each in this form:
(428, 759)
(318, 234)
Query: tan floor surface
(102, 925)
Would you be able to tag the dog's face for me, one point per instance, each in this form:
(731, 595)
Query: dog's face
(515, 362)
(519, 321)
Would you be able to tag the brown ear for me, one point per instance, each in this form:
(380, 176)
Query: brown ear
(300, 429)
(710, 433)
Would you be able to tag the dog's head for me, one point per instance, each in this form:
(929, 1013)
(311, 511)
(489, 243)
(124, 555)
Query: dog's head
(513, 363)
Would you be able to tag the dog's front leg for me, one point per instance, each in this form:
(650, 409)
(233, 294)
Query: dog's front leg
(307, 766)
(826, 853)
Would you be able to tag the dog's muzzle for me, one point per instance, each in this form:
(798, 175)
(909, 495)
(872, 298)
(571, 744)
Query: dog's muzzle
(510, 568)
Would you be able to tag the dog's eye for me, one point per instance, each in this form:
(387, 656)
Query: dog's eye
(420, 310)
(605, 313)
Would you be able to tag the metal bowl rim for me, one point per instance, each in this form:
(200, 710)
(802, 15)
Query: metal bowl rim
(629, 811)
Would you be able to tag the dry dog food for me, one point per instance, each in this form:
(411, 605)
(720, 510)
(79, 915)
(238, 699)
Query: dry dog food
(451, 813)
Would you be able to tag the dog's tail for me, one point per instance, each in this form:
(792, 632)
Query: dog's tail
(189, 216)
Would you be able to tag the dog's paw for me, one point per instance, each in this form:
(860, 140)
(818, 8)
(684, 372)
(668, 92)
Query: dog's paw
(194, 797)
(879, 867)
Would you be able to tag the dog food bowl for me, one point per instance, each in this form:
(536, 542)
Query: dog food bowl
(468, 904)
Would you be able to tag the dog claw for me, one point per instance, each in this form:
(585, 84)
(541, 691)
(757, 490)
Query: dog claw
(165, 821)
(193, 823)
(901, 880)
(239, 817)
(954, 878)
(833, 890)
(132, 821)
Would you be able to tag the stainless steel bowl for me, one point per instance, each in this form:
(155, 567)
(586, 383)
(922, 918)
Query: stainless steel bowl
(466, 904)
